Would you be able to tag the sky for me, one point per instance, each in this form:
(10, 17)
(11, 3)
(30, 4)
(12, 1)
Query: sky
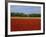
(25, 9)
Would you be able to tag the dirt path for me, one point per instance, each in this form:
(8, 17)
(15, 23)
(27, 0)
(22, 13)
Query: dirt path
(25, 18)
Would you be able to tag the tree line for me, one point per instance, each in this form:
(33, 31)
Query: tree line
(25, 15)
